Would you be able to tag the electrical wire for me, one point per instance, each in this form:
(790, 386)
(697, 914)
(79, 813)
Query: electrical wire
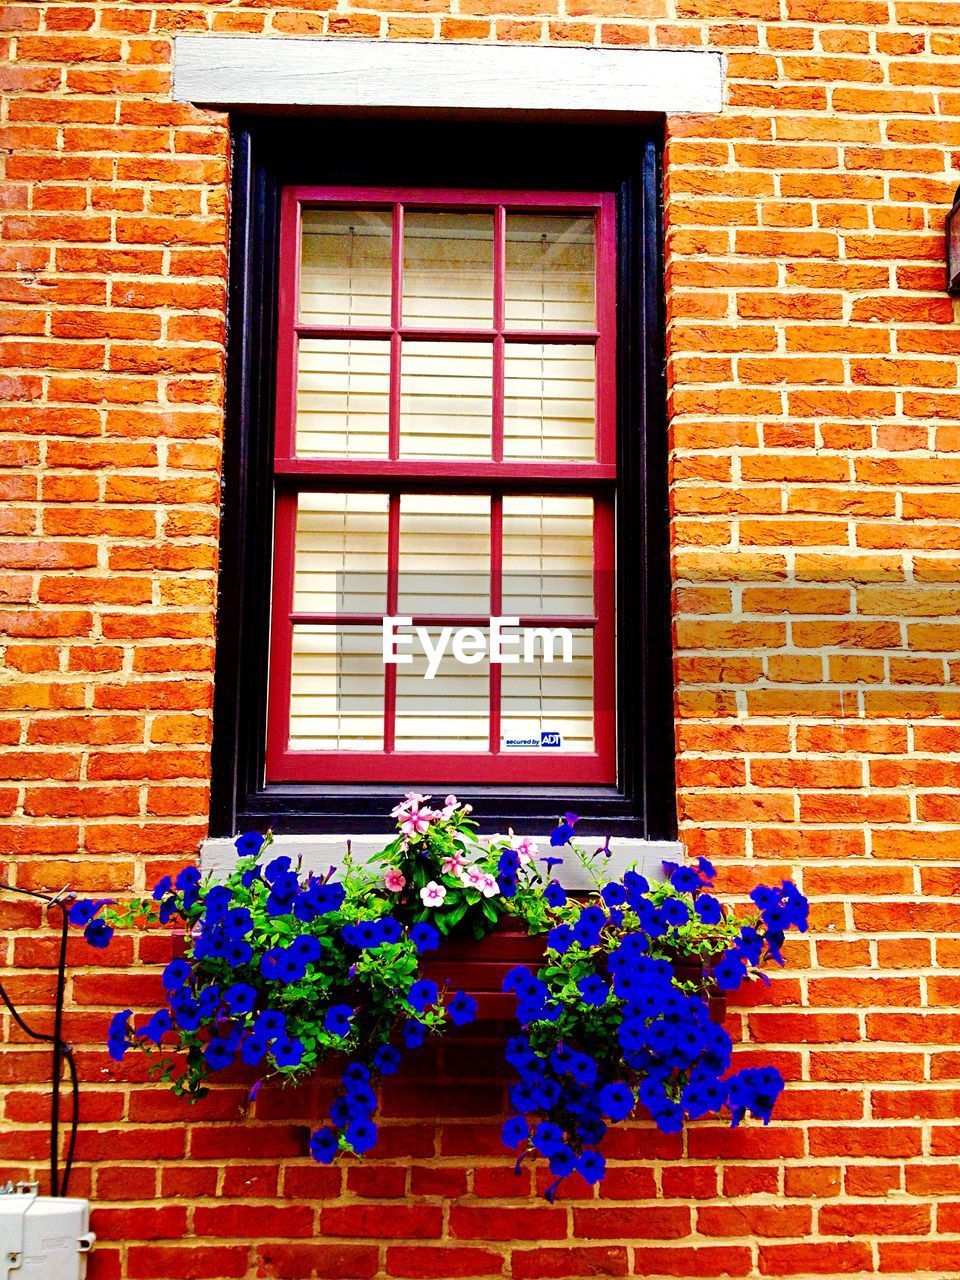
(62, 1052)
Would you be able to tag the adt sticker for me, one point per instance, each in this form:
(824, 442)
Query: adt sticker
(550, 739)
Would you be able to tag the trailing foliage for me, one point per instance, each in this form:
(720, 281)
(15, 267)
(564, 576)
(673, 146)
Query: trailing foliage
(282, 969)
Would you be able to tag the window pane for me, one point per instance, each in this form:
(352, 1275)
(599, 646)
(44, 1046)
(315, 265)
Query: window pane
(345, 266)
(448, 270)
(548, 563)
(449, 713)
(446, 400)
(340, 561)
(550, 271)
(336, 691)
(343, 398)
(549, 408)
(548, 705)
(444, 554)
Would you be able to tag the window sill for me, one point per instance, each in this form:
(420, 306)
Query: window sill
(320, 852)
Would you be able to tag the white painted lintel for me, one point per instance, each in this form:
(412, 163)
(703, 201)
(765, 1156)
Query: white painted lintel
(378, 75)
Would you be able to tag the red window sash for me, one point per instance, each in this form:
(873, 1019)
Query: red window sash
(394, 475)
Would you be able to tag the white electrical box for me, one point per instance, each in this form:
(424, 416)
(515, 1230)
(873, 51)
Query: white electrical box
(43, 1237)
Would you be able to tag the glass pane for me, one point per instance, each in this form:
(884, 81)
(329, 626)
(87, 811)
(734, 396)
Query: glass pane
(445, 554)
(340, 563)
(336, 691)
(549, 408)
(446, 399)
(448, 270)
(548, 562)
(343, 398)
(450, 712)
(550, 271)
(548, 705)
(345, 266)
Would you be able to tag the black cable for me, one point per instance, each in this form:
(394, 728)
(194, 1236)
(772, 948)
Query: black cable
(56, 1070)
(61, 1051)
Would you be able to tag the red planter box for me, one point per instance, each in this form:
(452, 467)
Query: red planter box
(480, 967)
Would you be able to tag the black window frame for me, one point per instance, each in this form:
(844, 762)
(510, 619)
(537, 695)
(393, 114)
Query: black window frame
(270, 153)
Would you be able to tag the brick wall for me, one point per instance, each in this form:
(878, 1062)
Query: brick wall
(816, 463)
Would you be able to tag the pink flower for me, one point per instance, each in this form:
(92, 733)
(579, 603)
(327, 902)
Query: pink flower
(394, 880)
(416, 823)
(526, 850)
(433, 894)
(453, 865)
(475, 878)
(409, 804)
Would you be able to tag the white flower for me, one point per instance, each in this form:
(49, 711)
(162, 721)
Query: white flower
(433, 894)
(471, 877)
(488, 885)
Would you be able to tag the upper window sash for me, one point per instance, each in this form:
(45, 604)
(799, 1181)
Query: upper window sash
(503, 337)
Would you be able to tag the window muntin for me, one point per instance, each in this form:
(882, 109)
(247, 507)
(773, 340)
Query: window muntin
(444, 450)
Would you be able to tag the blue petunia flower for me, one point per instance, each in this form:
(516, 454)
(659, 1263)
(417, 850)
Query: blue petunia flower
(560, 938)
(613, 894)
(162, 888)
(253, 1049)
(617, 1100)
(547, 1137)
(270, 1023)
(684, 879)
(277, 868)
(730, 972)
(593, 990)
(83, 911)
(118, 1034)
(563, 833)
(386, 1059)
(515, 1130)
(423, 994)
(591, 1166)
(324, 1145)
(176, 975)
(424, 937)
(98, 933)
(390, 930)
(217, 903)
(709, 909)
(555, 895)
(674, 912)
(361, 1135)
(562, 1162)
(249, 844)
(240, 998)
(306, 948)
(219, 1053)
(414, 1034)
(287, 1052)
(337, 1019)
(462, 1009)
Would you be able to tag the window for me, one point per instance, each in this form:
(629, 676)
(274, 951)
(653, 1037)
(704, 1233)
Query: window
(445, 453)
(440, 406)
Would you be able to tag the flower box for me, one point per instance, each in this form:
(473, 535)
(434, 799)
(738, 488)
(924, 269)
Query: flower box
(479, 968)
